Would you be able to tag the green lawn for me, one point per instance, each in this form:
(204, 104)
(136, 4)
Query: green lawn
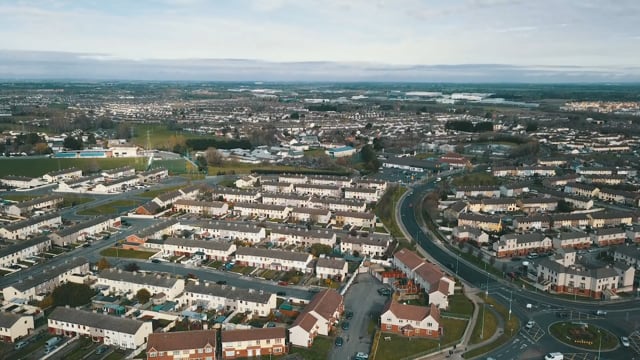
(460, 304)
(403, 347)
(245, 270)
(479, 178)
(511, 328)
(19, 197)
(133, 254)
(113, 207)
(74, 200)
(83, 347)
(36, 167)
(590, 338)
(490, 324)
(385, 209)
(318, 351)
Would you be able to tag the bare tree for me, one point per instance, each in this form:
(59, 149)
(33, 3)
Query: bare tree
(213, 156)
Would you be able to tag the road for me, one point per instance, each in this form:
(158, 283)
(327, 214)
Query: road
(503, 291)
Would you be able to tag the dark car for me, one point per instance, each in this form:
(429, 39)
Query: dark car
(339, 341)
(155, 261)
(345, 325)
(191, 276)
(101, 350)
(348, 315)
(86, 245)
(281, 293)
(221, 282)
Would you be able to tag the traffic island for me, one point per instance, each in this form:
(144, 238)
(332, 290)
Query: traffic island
(583, 335)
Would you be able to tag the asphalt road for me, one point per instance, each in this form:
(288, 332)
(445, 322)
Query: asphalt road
(621, 319)
(366, 304)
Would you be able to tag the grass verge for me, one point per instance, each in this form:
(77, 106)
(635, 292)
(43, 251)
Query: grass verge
(318, 351)
(113, 207)
(490, 324)
(590, 337)
(511, 329)
(126, 253)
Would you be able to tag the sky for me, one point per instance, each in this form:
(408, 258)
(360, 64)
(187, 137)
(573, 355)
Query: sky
(540, 37)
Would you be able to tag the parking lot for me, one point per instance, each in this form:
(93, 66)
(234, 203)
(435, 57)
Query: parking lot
(366, 304)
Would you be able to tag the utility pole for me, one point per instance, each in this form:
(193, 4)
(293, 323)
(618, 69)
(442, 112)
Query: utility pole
(599, 343)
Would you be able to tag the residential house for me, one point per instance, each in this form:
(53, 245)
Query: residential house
(247, 182)
(354, 218)
(277, 187)
(293, 178)
(338, 204)
(262, 210)
(12, 254)
(485, 222)
(79, 232)
(332, 268)
(290, 200)
(411, 320)
(601, 219)
(205, 249)
(227, 298)
(580, 189)
(318, 216)
(366, 195)
(365, 245)
(14, 327)
(572, 240)
(573, 220)
(248, 343)
(608, 236)
(119, 172)
(36, 286)
(521, 244)
(221, 193)
(64, 174)
(466, 233)
(319, 317)
(379, 185)
(153, 175)
(274, 259)
(538, 204)
(633, 234)
(297, 236)
(117, 184)
(318, 190)
(182, 345)
(229, 230)
(204, 208)
(629, 254)
(476, 192)
(43, 203)
(155, 231)
(31, 226)
(111, 330)
(339, 181)
(531, 222)
(117, 281)
(20, 182)
(167, 199)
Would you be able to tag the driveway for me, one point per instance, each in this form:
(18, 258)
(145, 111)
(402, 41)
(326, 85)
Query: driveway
(363, 300)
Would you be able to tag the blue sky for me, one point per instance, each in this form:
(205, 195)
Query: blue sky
(556, 34)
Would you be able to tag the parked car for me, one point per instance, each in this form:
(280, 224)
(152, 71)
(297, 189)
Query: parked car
(20, 344)
(101, 349)
(281, 293)
(554, 356)
(221, 282)
(348, 315)
(361, 356)
(345, 325)
(155, 261)
(600, 313)
(339, 341)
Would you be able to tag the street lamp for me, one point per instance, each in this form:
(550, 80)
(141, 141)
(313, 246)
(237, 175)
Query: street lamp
(482, 327)
(510, 298)
(599, 343)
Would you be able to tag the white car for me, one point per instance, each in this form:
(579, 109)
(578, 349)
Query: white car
(554, 356)
(530, 324)
(624, 341)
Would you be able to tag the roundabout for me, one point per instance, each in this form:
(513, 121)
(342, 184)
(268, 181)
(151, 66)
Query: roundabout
(583, 335)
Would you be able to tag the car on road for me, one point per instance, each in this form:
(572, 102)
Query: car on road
(624, 341)
(281, 293)
(221, 282)
(530, 324)
(554, 356)
(86, 245)
(348, 315)
(600, 313)
(345, 325)
(155, 261)
(361, 356)
(20, 344)
(384, 291)
(191, 276)
(533, 256)
(339, 341)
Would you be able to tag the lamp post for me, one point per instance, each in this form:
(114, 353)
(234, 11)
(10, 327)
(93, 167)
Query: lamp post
(482, 327)
(599, 343)
(510, 298)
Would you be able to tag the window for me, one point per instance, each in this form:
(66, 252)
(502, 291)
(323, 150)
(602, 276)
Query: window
(207, 349)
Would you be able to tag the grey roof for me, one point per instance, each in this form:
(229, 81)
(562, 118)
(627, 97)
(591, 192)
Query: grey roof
(95, 320)
(63, 171)
(286, 196)
(148, 231)
(532, 218)
(599, 273)
(572, 235)
(164, 197)
(273, 254)
(630, 251)
(610, 231)
(30, 221)
(610, 215)
(338, 201)
(302, 232)
(457, 206)
(49, 273)
(317, 186)
(16, 177)
(365, 240)
(83, 225)
(81, 180)
(117, 170)
(191, 188)
(311, 211)
(228, 292)
(221, 190)
(216, 204)
(8, 319)
(524, 238)
(205, 244)
(259, 206)
(331, 263)
(539, 200)
(571, 216)
(39, 200)
(498, 201)
(478, 217)
(248, 227)
(153, 171)
(122, 180)
(138, 277)
(360, 190)
(356, 214)
(20, 245)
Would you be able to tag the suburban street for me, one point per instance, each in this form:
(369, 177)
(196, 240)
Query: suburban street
(622, 319)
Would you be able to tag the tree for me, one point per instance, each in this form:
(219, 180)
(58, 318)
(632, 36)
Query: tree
(72, 143)
(42, 148)
(132, 267)
(123, 131)
(213, 156)
(91, 139)
(103, 263)
(72, 294)
(320, 249)
(143, 296)
(368, 156)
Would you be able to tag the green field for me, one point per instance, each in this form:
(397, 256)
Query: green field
(36, 167)
(490, 324)
(155, 192)
(318, 351)
(113, 207)
(132, 254)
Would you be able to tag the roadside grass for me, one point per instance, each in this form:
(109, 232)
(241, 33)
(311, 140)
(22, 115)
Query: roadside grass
(510, 329)
(19, 197)
(385, 210)
(240, 269)
(318, 351)
(74, 200)
(39, 166)
(84, 347)
(113, 207)
(460, 305)
(126, 253)
(473, 179)
(490, 324)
